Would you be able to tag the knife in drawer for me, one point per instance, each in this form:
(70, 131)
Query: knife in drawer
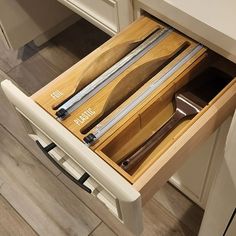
(189, 101)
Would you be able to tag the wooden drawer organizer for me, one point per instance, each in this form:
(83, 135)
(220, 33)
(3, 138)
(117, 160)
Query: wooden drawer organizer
(144, 119)
(125, 193)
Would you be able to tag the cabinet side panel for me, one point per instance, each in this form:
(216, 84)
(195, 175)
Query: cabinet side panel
(222, 200)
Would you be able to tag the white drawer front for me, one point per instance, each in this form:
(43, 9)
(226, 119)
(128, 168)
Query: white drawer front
(77, 172)
(56, 152)
(113, 190)
(97, 190)
(102, 13)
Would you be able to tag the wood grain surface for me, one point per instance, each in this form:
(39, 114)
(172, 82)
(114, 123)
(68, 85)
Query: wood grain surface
(96, 62)
(102, 230)
(120, 89)
(11, 223)
(118, 93)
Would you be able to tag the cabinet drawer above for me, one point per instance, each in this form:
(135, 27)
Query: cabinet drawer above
(117, 105)
(102, 13)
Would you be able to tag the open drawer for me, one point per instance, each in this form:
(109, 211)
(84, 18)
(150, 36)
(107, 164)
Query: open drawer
(167, 61)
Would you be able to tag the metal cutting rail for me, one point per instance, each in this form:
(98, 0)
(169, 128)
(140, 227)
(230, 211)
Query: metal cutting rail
(110, 74)
(101, 130)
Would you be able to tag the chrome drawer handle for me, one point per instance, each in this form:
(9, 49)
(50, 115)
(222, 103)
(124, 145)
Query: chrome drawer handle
(79, 182)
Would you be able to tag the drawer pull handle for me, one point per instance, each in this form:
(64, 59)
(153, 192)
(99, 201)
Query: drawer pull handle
(79, 182)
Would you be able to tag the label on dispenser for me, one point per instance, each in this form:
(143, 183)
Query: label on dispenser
(84, 116)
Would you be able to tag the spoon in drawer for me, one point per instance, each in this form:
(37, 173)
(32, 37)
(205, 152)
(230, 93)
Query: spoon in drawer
(188, 101)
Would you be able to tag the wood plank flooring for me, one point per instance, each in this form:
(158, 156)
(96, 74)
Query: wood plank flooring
(102, 230)
(12, 223)
(33, 200)
(183, 209)
(34, 73)
(10, 59)
(37, 195)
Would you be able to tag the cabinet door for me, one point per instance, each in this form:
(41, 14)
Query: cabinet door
(190, 178)
(23, 21)
(219, 217)
(108, 15)
(196, 176)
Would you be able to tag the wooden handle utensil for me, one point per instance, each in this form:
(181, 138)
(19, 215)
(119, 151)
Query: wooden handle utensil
(189, 101)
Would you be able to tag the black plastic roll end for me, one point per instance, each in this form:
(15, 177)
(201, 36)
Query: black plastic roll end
(90, 138)
(62, 113)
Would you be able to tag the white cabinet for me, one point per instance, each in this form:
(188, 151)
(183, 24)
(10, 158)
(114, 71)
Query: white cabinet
(209, 22)
(23, 21)
(95, 169)
(123, 197)
(109, 15)
(195, 177)
(219, 218)
(191, 177)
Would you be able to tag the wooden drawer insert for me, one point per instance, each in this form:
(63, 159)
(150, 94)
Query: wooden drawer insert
(146, 118)
(100, 159)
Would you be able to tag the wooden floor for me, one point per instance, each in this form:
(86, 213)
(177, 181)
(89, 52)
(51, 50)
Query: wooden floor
(33, 201)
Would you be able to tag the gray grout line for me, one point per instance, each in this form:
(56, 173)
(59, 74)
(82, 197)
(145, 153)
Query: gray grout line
(50, 65)
(95, 228)
(109, 228)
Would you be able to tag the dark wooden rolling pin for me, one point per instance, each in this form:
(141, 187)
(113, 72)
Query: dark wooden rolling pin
(188, 101)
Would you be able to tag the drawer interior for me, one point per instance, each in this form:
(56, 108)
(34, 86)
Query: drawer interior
(93, 65)
(171, 47)
(152, 112)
